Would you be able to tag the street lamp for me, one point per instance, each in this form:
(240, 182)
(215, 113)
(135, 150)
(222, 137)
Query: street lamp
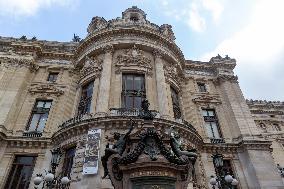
(281, 170)
(50, 180)
(222, 180)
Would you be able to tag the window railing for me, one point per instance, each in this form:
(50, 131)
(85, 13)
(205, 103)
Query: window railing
(209, 118)
(32, 134)
(217, 140)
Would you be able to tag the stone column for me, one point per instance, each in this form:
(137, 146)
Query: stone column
(105, 80)
(163, 103)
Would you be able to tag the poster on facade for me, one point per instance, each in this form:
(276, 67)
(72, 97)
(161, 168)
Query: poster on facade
(91, 160)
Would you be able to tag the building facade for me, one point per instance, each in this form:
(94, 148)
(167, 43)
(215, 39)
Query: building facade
(77, 95)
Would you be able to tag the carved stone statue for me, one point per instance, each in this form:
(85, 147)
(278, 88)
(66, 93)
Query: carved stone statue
(176, 146)
(76, 38)
(146, 113)
(117, 148)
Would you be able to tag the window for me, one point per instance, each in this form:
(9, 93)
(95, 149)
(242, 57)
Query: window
(39, 115)
(133, 91)
(21, 172)
(134, 17)
(202, 87)
(52, 77)
(68, 161)
(86, 99)
(176, 106)
(211, 123)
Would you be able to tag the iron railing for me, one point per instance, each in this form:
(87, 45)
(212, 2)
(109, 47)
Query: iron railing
(32, 134)
(217, 140)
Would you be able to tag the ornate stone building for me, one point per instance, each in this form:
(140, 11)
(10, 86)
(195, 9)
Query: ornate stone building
(78, 95)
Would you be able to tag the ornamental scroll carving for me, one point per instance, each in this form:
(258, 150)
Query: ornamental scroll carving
(47, 89)
(14, 63)
(92, 66)
(132, 59)
(171, 73)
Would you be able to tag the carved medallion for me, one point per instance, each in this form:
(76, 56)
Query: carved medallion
(151, 148)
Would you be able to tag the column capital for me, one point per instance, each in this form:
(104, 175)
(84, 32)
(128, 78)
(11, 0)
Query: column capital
(108, 49)
(157, 53)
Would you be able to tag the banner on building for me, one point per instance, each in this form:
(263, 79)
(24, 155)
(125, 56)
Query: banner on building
(91, 160)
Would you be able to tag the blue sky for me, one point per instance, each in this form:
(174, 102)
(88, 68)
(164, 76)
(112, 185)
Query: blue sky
(250, 31)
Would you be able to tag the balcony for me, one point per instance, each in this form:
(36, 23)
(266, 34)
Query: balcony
(32, 134)
(118, 112)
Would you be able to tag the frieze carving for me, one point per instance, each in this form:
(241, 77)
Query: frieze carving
(49, 89)
(15, 63)
(133, 58)
(207, 98)
(91, 66)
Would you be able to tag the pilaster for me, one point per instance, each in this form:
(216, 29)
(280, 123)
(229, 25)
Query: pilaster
(161, 86)
(105, 81)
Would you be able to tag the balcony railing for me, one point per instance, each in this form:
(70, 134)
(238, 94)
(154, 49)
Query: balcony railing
(124, 112)
(32, 134)
(118, 112)
(217, 140)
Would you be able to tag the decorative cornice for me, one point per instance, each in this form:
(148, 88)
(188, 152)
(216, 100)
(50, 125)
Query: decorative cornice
(15, 63)
(110, 34)
(230, 78)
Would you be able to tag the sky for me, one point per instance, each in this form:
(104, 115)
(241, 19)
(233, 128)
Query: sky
(251, 31)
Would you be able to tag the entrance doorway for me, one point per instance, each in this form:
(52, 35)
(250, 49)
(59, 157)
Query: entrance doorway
(153, 183)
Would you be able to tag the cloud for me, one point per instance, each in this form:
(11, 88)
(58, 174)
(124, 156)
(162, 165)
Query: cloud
(195, 20)
(193, 12)
(216, 8)
(258, 48)
(19, 8)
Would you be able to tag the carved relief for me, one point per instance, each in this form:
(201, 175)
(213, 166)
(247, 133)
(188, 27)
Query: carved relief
(207, 98)
(166, 29)
(14, 63)
(48, 89)
(133, 58)
(171, 73)
(91, 66)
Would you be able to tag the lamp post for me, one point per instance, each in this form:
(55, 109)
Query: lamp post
(222, 180)
(50, 180)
